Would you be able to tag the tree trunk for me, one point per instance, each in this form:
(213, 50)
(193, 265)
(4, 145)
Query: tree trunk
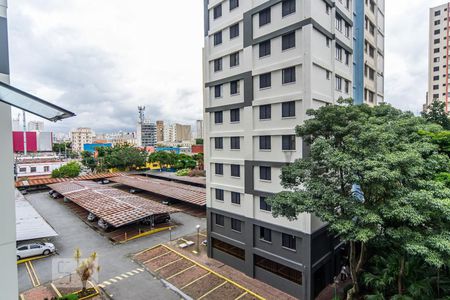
(353, 265)
(400, 276)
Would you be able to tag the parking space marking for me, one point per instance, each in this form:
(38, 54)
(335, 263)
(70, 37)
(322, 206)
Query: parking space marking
(135, 272)
(166, 265)
(113, 280)
(106, 282)
(195, 280)
(181, 272)
(118, 277)
(242, 295)
(156, 257)
(139, 269)
(129, 273)
(212, 290)
(32, 274)
(124, 275)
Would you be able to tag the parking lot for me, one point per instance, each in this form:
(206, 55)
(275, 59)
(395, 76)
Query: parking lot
(120, 276)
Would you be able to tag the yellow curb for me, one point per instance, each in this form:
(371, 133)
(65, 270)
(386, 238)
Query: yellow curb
(148, 249)
(146, 234)
(22, 297)
(56, 290)
(212, 290)
(215, 273)
(31, 259)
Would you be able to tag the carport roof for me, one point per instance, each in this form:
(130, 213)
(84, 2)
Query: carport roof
(116, 207)
(186, 193)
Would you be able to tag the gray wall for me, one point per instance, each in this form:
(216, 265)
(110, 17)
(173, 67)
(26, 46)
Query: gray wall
(4, 54)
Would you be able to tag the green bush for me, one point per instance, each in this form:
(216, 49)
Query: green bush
(183, 172)
(70, 170)
(69, 297)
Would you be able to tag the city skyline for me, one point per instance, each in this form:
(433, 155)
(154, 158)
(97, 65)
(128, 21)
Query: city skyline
(61, 43)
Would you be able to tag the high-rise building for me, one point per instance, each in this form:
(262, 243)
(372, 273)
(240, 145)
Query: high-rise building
(265, 64)
(199, 129)
(438, 55)
(35, 126)
(146, 130)
(159, 131)
(8, 275)
(183, 132)
(81, 136)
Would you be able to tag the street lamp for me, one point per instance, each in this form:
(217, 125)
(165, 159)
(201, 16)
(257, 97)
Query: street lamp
(198, 238)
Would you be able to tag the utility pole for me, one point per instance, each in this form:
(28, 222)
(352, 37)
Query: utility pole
(24, 134)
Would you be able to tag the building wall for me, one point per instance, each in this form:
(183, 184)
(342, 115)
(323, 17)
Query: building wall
(37, 169)
(438, 54)
(159, 131)
(321, 77)
(18, 142)
(81, 136)
(8, 275)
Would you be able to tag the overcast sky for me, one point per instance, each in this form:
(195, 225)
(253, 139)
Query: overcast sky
(103, 58)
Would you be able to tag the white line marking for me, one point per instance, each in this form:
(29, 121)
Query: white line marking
(113, 280)
(129, 273)
(106, 282)
(135, 272)
(118, 277)
(124, 275)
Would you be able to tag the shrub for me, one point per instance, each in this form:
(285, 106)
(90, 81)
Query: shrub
(70, 170)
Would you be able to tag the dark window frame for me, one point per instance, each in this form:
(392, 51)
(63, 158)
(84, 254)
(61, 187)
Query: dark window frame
(218, 117)
(234, 87)
(234, 4)
(265, 234)
(234, 59)
(234, 31)
(218, 143)
(236, 225)
(218, 169)
(265, 17)
(265, 80)
(236, 198)
(265, 142)
(265, 173)
(288, 109)
(235, 143)
(220, 220)
(217, 11)
(288, 142)
(220, 194)
(289, 75)
(218, 38)
(263, 205)
(288, 7)
(265, 48)
(235, 170)
(265, 112)
(288, 41)
(288, 241)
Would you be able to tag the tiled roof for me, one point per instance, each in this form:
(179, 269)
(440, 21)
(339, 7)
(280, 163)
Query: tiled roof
(174, 176)
(179, 191)
(116, 207)
(47, 181)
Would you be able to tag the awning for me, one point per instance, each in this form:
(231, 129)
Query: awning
(32, 104)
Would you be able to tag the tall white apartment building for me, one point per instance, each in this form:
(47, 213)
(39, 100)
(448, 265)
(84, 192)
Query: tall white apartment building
(199, 129)
(438, 57)
(266, 62)
(81, 136)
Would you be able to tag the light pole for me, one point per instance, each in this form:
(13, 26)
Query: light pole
(170, 234)
(198, 238)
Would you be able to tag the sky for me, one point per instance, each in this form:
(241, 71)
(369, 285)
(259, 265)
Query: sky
(101, 59)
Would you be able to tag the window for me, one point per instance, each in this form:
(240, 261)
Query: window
(435, 87)
(218, 117)
(437, 31)
(288, 41)
(265, 80)
(218, 143)
(435, 77)
(236, 225)
(217, 38)
(217, 11)
(278, 269)
(220, 220)
(35, 246)
(265, 234)
(347, 30)
(347, 58)
(234, 115)
(339, 53)
(235, 198)
(339, 23)
(219, 194)
(22, 170)
(218, 91)
(234, 88)
(437, 22)
(235, 170)
(288, 7)
(23, 248)
(328, 75)
(288, 142)
(234, 59)
(347, 86)
(437, 41)
(264, 17)
(235, 143)
(263, 204)
(265, 173)
(46, 169)
(265, 112)
(33, 169)
(265, 142)
(435, 69)
(288, 75)
(328, 42)
(234, 4)
(288, 241)
(234, 31)
(218, 65)
(229, 249)
(328, 9)
(338, 83)
(264, 48)
(288, 109)
(437, 13)
(218, 169)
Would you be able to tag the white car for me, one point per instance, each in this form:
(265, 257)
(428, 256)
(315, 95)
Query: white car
(27, 250)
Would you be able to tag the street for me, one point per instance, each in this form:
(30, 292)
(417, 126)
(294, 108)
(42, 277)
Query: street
(122, 278)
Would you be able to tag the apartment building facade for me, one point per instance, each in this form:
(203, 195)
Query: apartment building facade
(265, 64)
(81, 136)
(146, 134)
(438, 52)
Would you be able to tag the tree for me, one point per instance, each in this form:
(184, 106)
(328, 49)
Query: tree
(123, 157)
(370, 176)
(86, 269)
(88, 160)
(436, 113)
(69, 170)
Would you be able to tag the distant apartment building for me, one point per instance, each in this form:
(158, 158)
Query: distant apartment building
(438, 55)
(265, 64)
(37, 166)
(159, 131)
(199, 129)
(183, 132)
(35, 126)
(81, 136)
(146, 134)
(121, 138)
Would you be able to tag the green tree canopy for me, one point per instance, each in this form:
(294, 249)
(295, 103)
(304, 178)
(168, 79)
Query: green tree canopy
(122, 157)
(370, 176)
(436, 113)
(69, 170)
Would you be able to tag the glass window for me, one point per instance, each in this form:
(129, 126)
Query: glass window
(265, 173)
(234, 115)
(288, 41)
(33, 169)
(220, 220)
(289, 241)
(265, 142)
(218, 65)
(234, 4)
(218, 142)
(234, 87)
(219, 194)
(288, 109)
(229, 249)
(288, 142)
(263, 204)
(264, 48)
(264, 17)
(265, 80)
(288, 7)
(234, 59)
(46, 169)
(35, 246)
(279, 269)
(217, 11)
(338, 83)
(217, 38)
(235, 142)
(234, 31)
(235, 198)
(219, 169)
(218, 117)
(236, 225)
(236, 170)
(22, 170)
(265, 112)
(218, 91)
(288, 75)
(265, 234)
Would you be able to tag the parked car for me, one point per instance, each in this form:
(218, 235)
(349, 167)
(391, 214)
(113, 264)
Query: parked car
(162, 218)
(28, 250)
(56, 195)
(103, 224)
(91, 217)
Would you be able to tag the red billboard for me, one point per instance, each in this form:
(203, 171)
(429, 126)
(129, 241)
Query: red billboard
(31, 141)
